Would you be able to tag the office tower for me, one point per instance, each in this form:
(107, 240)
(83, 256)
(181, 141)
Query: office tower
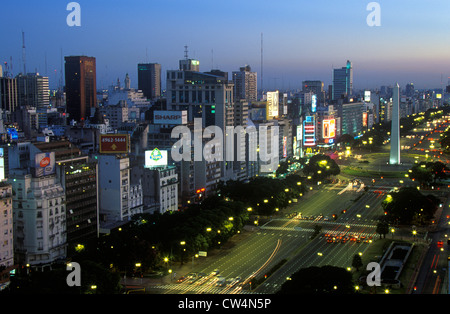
(8, 94)
(149, 79)
(409, 90)
(33, 90)
(343, 81)
(81, 87)
(245, 84)
(394, 158)
(352, 118)
(209, 97)
(316, 87)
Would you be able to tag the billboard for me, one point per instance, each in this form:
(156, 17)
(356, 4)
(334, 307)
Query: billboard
(44, 164)
(272, 105)
(309, 131)
(169, 117)
(367, 95)
(155, 158)
(114, 143)
(329, 128)
(314, 103)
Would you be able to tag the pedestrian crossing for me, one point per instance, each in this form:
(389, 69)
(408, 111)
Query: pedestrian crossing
(201, 289)
(331, 232)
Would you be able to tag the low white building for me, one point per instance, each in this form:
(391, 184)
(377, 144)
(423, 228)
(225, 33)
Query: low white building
(6, 226)
(115, 190)
(39, 217)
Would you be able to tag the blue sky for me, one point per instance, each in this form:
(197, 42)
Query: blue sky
(301, 39)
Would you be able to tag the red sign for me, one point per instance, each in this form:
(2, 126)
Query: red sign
(44, 162)
(114, 143)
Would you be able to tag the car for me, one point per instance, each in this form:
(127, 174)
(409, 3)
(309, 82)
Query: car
(215, 272)
(220, 281)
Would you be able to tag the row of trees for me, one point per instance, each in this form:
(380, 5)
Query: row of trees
(427, 173)
(408, 206)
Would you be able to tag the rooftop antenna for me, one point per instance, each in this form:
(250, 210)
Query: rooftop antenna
(186, 52)
(23, 54)
(262, 89)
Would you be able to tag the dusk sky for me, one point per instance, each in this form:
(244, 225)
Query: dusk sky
(301, 39)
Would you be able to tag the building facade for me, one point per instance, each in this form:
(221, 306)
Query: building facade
(149, 79)
(81, 87)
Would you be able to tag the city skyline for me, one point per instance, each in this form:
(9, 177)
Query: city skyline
(300, 40)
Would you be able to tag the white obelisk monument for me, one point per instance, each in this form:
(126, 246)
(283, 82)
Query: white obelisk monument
(394, 158)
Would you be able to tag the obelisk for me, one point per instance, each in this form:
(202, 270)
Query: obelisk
(394, 158)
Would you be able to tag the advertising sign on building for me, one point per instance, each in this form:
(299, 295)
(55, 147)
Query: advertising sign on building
(309, 131)
(272, 105)
(114, 143)
(169, 117)
(44, 164)
(329, 128)
(155, 158)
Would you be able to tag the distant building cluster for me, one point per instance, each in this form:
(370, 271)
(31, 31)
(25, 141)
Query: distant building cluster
(77, 162)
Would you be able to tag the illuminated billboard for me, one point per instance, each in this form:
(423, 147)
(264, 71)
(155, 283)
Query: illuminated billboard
(44, 164)
(284, 146)
(155, 158)
(309, 131)
(114, 143)
(169, 117)
(272, 105)
(314, 103)
(329, 128)
(367, 95)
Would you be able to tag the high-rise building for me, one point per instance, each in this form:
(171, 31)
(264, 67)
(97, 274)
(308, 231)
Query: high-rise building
(39, 206)
(149, 79)
(343, 81)
(316, 87)
(245, 84)
(409, 90)
(352, 118)
(33, 90)
(8, 94)
(81, 87)
(78, 176)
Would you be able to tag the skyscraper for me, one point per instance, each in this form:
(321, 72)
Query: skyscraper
(33, 90)
(343, 81)
(149, 79)
(245, 84)
(81, 87)
(8, 94)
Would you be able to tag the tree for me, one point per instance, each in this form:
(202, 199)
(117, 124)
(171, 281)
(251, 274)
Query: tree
(321, 167)
(357, 261)
(382, 228)
(409, 206)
